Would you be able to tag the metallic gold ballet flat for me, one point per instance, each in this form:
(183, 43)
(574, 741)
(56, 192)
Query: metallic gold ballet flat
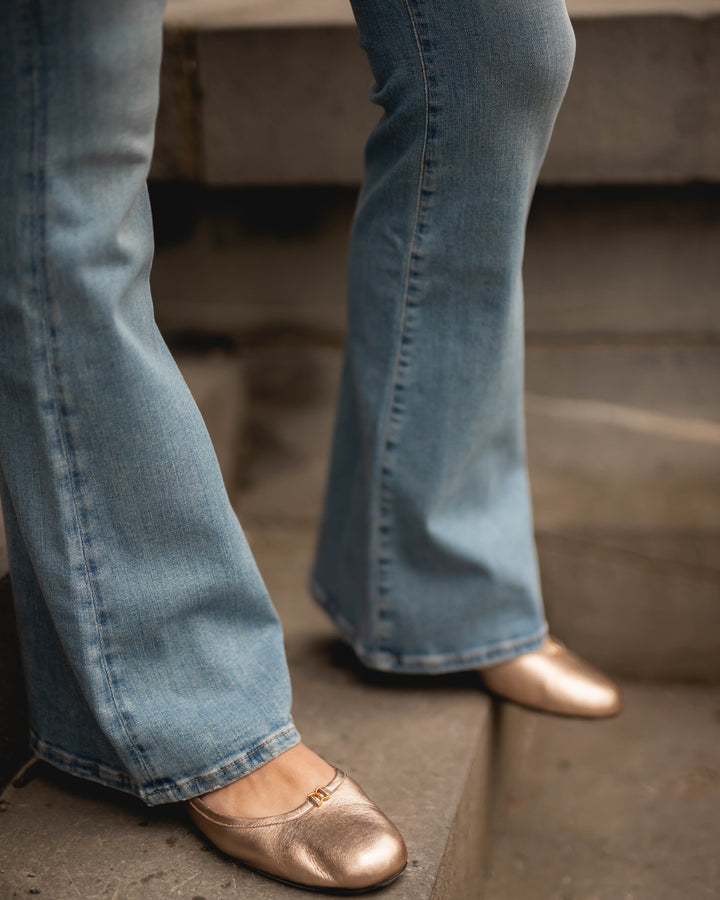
(555, 680)
(336, 841)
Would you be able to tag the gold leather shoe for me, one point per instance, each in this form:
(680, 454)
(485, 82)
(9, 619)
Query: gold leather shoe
(337, 840)
(555, 680)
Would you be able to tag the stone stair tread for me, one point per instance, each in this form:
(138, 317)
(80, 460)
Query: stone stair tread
(413, 745)
(622, 808)
(297, 73)
(211, 14)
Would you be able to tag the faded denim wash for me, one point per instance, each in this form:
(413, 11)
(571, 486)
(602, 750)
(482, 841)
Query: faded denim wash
(426, 560)
(153, 656)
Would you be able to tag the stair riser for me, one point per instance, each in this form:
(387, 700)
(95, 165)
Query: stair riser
(289, 105)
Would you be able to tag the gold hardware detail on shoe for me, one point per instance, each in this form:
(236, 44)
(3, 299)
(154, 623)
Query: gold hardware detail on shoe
(319, 796)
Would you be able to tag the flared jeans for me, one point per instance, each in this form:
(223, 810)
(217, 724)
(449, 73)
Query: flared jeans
(153, 656)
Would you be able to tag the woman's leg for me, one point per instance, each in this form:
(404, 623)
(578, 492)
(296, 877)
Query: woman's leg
(426, 560)
(154, 658)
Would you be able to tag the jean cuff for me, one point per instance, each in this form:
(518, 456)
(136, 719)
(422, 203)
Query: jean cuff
(170, 790)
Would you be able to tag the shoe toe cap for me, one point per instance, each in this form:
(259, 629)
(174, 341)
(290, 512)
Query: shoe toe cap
(367, 850)
(555, 680)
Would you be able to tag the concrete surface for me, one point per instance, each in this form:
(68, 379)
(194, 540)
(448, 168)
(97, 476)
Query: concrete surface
(420, 747)
(641, 107)
(218, 14)
(624, 264)
(637, 266)
(271, 92)
(253, 263)
(628, 808)
(217, 383)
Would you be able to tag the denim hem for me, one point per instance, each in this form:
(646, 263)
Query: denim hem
(427, 664)
(169, 791)
(224, 774)
(87, 769)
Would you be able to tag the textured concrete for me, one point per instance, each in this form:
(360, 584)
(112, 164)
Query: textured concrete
(625, 436)
(632, 604)
(415, 745)
(227, 14)
(624, 264)
(597, 811)
(305, 120)
(419, 746)
(611, 265)
(221, 14)
(254, 263)
(287, 436)
(641, 106)
(276, 92)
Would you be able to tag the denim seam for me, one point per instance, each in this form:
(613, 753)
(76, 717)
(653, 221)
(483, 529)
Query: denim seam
(91, 769)
(43, 279)
(381, 493)
(101, 773)
(429, 664)
(185, 783)
(468, 660)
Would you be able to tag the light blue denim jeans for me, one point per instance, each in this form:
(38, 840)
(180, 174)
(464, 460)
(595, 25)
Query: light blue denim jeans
(153, 656)
(426, 560)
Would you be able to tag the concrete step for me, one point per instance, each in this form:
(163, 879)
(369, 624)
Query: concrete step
(598, 811)
(275, 92)
(626, 516)
(644, 577)
(579, 810)
(65, 838)
(623, 330)
(420, 747)
(626, 265)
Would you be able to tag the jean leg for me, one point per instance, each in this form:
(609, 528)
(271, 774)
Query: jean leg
(154, 656)
(426, 559)
(57, 705)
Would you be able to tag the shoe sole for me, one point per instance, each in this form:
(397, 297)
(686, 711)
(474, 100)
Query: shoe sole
(323, 890)
(304, 887)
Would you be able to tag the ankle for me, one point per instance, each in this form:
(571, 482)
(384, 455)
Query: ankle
(275, 788)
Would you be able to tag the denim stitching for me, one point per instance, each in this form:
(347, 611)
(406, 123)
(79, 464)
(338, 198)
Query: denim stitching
(94, 770)
(151, 790)
(381, 499)
(46, 294)
(435, 664)
(101, 773)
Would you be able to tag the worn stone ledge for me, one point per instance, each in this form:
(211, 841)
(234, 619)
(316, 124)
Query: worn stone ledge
(276, 93)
